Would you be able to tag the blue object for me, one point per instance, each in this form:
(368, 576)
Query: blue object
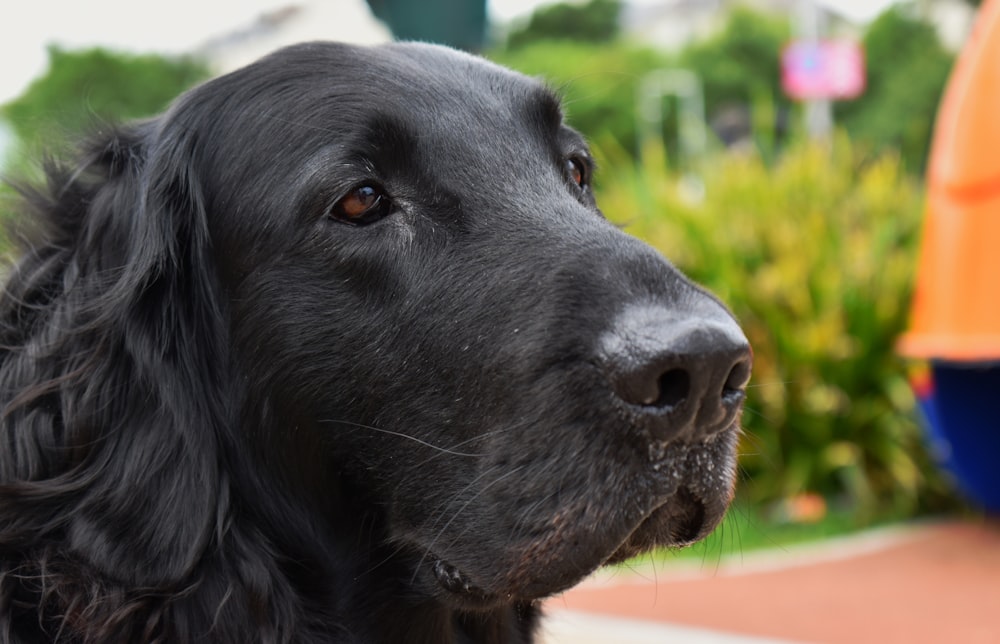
(962, 409)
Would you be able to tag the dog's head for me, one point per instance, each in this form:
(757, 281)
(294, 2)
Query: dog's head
(416, 264)
(420, 279)
(427, 319)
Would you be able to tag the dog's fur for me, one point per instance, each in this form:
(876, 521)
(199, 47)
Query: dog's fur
(234, 413)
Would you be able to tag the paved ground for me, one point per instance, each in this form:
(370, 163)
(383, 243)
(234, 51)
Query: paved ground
(926, 584)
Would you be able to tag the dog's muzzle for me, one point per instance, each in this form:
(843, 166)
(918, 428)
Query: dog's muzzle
(680, 378)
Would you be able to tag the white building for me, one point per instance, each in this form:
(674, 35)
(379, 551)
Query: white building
(305, 20)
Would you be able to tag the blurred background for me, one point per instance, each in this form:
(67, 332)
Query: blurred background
(775, 150)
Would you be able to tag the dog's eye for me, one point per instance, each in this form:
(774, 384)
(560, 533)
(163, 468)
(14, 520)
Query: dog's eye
(364, 204)
(577, 169)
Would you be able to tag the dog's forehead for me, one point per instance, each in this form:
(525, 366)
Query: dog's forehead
(420, 68)
(427, 85)
(384, 110)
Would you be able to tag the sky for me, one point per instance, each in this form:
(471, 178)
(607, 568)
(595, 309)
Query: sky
(177, 26)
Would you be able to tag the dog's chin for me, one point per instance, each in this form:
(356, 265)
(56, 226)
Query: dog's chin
(684, 519)
(695, 487)
(681, 520)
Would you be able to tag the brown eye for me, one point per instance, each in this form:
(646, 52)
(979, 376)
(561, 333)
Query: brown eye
(364, 204)
(577, 170)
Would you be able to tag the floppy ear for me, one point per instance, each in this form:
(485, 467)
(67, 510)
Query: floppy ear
(112, 370)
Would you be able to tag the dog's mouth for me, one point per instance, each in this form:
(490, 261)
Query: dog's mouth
(674, 500)
(683, 519)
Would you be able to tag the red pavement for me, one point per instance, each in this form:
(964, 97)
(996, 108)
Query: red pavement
(934, 584)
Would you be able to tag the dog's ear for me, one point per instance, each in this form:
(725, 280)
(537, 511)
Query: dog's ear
(113, 367)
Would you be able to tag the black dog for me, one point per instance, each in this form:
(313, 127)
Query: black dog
(340, 349)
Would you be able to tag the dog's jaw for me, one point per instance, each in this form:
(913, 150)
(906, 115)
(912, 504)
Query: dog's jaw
(686, 500)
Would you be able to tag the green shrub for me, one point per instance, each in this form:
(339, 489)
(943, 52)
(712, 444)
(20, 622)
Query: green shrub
(593, 22)
(815, 253)
(740, 62)
(907, 69)
(738, 67)
(96, 83)
(598, 84)
(79, 90)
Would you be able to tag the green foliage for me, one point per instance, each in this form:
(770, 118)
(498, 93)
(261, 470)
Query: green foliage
(907, 69)
(82, 87)
(739, 66)
(593, 22)
(750, 527)
(598, 84)
(815, 254)
(742, 61)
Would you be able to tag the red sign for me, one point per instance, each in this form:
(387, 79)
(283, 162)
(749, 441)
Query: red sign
(833, 69)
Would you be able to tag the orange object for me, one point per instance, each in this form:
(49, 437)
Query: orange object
(956, 307)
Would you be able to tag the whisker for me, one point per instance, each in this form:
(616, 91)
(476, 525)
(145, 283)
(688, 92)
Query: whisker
(772, 383)
(750, 410)
(739, 539)
(708, 552)
(441, 507)
(760, 449)
(443, 450)
(429, 549)
(656, 578)
(527, 513)
(464, 442)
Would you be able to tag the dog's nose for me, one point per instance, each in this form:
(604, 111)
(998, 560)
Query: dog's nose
(680, 377)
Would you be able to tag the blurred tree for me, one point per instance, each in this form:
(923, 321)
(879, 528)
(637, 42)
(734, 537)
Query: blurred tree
(907, 70)
(740, 69)
(594, 22)
(83, 86)
(741, 59)
(597, 84)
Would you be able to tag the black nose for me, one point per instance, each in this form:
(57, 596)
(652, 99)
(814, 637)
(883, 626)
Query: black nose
(681, 376)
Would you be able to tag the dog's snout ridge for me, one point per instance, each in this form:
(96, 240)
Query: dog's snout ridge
(680, 377)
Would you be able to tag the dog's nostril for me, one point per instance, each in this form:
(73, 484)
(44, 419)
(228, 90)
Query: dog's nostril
(736, 381)
(674, 387)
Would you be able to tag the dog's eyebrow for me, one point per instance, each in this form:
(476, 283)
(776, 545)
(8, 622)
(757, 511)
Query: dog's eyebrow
(544, 106)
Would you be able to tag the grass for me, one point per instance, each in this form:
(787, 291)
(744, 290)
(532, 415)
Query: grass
(747, 529)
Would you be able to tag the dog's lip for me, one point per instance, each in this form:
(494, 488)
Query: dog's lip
(683, 513)
(458, 584)
(681, 520)
(686, 494)
(685, 516)
(696, 488)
